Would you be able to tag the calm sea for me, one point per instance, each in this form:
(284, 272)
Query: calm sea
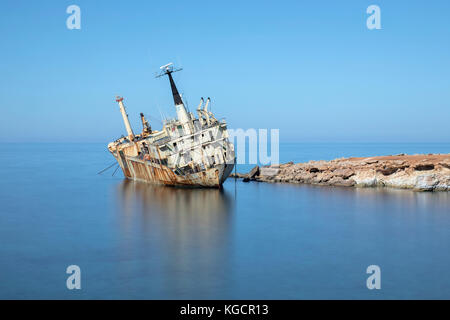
(248, 241)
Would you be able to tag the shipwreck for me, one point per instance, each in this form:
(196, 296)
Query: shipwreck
(188, 150)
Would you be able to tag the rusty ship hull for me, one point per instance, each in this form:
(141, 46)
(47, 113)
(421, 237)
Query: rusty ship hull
(145, 171)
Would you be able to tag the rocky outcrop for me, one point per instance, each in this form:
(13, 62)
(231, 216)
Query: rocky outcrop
(248, 176)
(418, 172)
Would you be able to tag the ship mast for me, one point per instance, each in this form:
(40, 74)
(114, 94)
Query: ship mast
(182, 114)
(125, 118)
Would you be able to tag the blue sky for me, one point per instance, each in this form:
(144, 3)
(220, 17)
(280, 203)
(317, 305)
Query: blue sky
(309, 68)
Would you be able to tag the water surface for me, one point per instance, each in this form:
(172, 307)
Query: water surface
(248, 241)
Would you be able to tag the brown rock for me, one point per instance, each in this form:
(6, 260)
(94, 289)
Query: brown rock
(327, 176)
(254, 172)
(424, 167)
(339, 181)
(445, 164)
(386, 170)
(426, 182)
(343, 173)
(419, 172)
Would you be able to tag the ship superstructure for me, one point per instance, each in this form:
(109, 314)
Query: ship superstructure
(187, 151)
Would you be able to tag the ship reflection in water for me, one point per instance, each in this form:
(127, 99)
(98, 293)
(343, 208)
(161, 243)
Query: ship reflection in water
(180, 234)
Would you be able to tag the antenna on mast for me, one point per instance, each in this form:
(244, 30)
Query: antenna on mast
(167, 69)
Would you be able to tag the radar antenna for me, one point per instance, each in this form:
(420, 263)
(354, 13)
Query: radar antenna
(167, 69)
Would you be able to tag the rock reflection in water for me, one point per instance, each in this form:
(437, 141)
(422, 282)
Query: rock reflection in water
(181, 233)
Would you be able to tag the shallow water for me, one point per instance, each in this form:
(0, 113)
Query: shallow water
(248, 241)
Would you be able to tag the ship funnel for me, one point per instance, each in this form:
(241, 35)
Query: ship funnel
(125, 118)
(200, 104)
(205, 111)
(206, 105)
(200, 112)
(145, 126)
